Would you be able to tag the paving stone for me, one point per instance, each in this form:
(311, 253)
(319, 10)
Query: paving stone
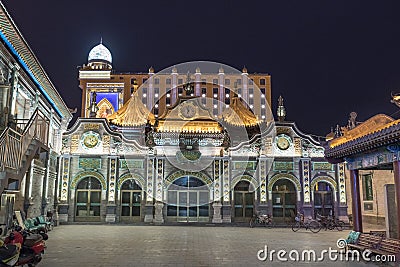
(130, 245)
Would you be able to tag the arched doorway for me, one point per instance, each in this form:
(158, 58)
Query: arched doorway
(284, 198)
(243, 201)
(88, 200)
(188, 200)
(323, 199)
(131, 199)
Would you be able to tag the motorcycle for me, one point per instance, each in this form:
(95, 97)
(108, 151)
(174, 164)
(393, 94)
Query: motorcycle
(9, 254)
(261, 219)
(22, 248)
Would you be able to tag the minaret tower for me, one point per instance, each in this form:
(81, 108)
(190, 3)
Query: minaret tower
(97, 70)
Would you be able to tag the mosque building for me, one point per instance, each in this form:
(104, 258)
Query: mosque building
(195, 142)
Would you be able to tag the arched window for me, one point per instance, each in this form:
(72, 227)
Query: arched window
(243, 200)
(131, 198)
(323, 199)
(284, 200)
(188, 200)
(88, 198)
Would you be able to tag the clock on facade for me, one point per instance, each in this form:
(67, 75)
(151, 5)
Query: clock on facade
(283, 142)
(90, 139)
(187, 110)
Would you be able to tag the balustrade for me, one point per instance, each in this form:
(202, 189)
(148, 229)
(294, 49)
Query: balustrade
(14, 144)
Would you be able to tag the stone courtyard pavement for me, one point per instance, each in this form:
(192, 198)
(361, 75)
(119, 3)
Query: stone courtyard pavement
(129, 245)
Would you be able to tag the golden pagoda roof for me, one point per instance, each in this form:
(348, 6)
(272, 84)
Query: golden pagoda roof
(239, 115)
(372, 125)
(133, 113)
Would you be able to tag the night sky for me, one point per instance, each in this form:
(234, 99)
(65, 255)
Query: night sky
(326, 58)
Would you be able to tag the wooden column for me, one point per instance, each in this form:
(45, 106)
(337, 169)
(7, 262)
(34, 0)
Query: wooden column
(396, 171)
(356, 201)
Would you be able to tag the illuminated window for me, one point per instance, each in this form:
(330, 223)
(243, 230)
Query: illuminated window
(215, 105)
(144, 95)
(263, 108)
(156, 92)
(262, 92)
(133, 80)
(215, 92)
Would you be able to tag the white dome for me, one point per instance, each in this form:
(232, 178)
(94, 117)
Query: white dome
(100, 52)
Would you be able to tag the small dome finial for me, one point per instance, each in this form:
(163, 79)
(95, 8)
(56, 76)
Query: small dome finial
(244, 70)
(101, 40)
(100, 53)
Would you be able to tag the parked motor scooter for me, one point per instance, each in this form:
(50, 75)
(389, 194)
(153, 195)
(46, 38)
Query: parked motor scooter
(9, 254)
(31, 246)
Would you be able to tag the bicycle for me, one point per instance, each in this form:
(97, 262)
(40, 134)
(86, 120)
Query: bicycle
(261, 219)
(312, 224)
(335, 223)
(330, 222)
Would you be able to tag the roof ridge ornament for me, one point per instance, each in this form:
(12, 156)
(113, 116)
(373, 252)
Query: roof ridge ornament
(281, 112)
(352, 120)
(93, 108)
(188, 86)
(395, 99)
